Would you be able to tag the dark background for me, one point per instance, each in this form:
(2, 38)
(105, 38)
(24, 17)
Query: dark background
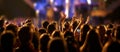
(15, 8)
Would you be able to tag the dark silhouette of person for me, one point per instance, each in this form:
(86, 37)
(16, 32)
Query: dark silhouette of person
(83, 33)
(25, 35)
(2, 22)
(117, 33)
(72, 44)
(57, 45)
(101, 30)
(13, 28)
(92, 42)
(45, 24)
(56, 33)
(44, 39)
(111, 46)
(41, 31)
(7, 41)
(51, 27)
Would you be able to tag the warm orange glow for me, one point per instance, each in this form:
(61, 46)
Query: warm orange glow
(98, 13)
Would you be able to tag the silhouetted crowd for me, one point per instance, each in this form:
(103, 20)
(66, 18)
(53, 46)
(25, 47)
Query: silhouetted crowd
(61, 36)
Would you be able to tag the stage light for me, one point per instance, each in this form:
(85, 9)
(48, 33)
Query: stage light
(37, 12)
(89, 2)
(66, 12)
(67, 1)
(67, 8)
(36, 9)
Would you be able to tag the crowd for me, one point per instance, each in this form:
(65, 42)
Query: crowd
(63, 36)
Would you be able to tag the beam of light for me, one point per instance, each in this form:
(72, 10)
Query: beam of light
(89, 2)
(66, 12)
(67, 8)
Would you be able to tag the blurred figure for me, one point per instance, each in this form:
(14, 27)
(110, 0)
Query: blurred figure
(111, 46)
(68, 34)
(72, 44)
(92, 42)
(50, 14)
(101, 30)
(117, 33)
(25, 35)
(74, 25)
(2, 24)
(110, 26)
(8, 41)
(51, 27)
(45, 24)
(13, 28)
(57, 45)
(62, 20)
(41, 31)
(66, 26)
(83, 33)
(44, 39)
(108, 35)
(34, 32)
(56, 33)
(35, 41)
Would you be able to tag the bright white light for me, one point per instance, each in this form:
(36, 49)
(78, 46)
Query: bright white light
(66, 12)
(89, 2)
(37, 11)
(66, 1)
(67, 8)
